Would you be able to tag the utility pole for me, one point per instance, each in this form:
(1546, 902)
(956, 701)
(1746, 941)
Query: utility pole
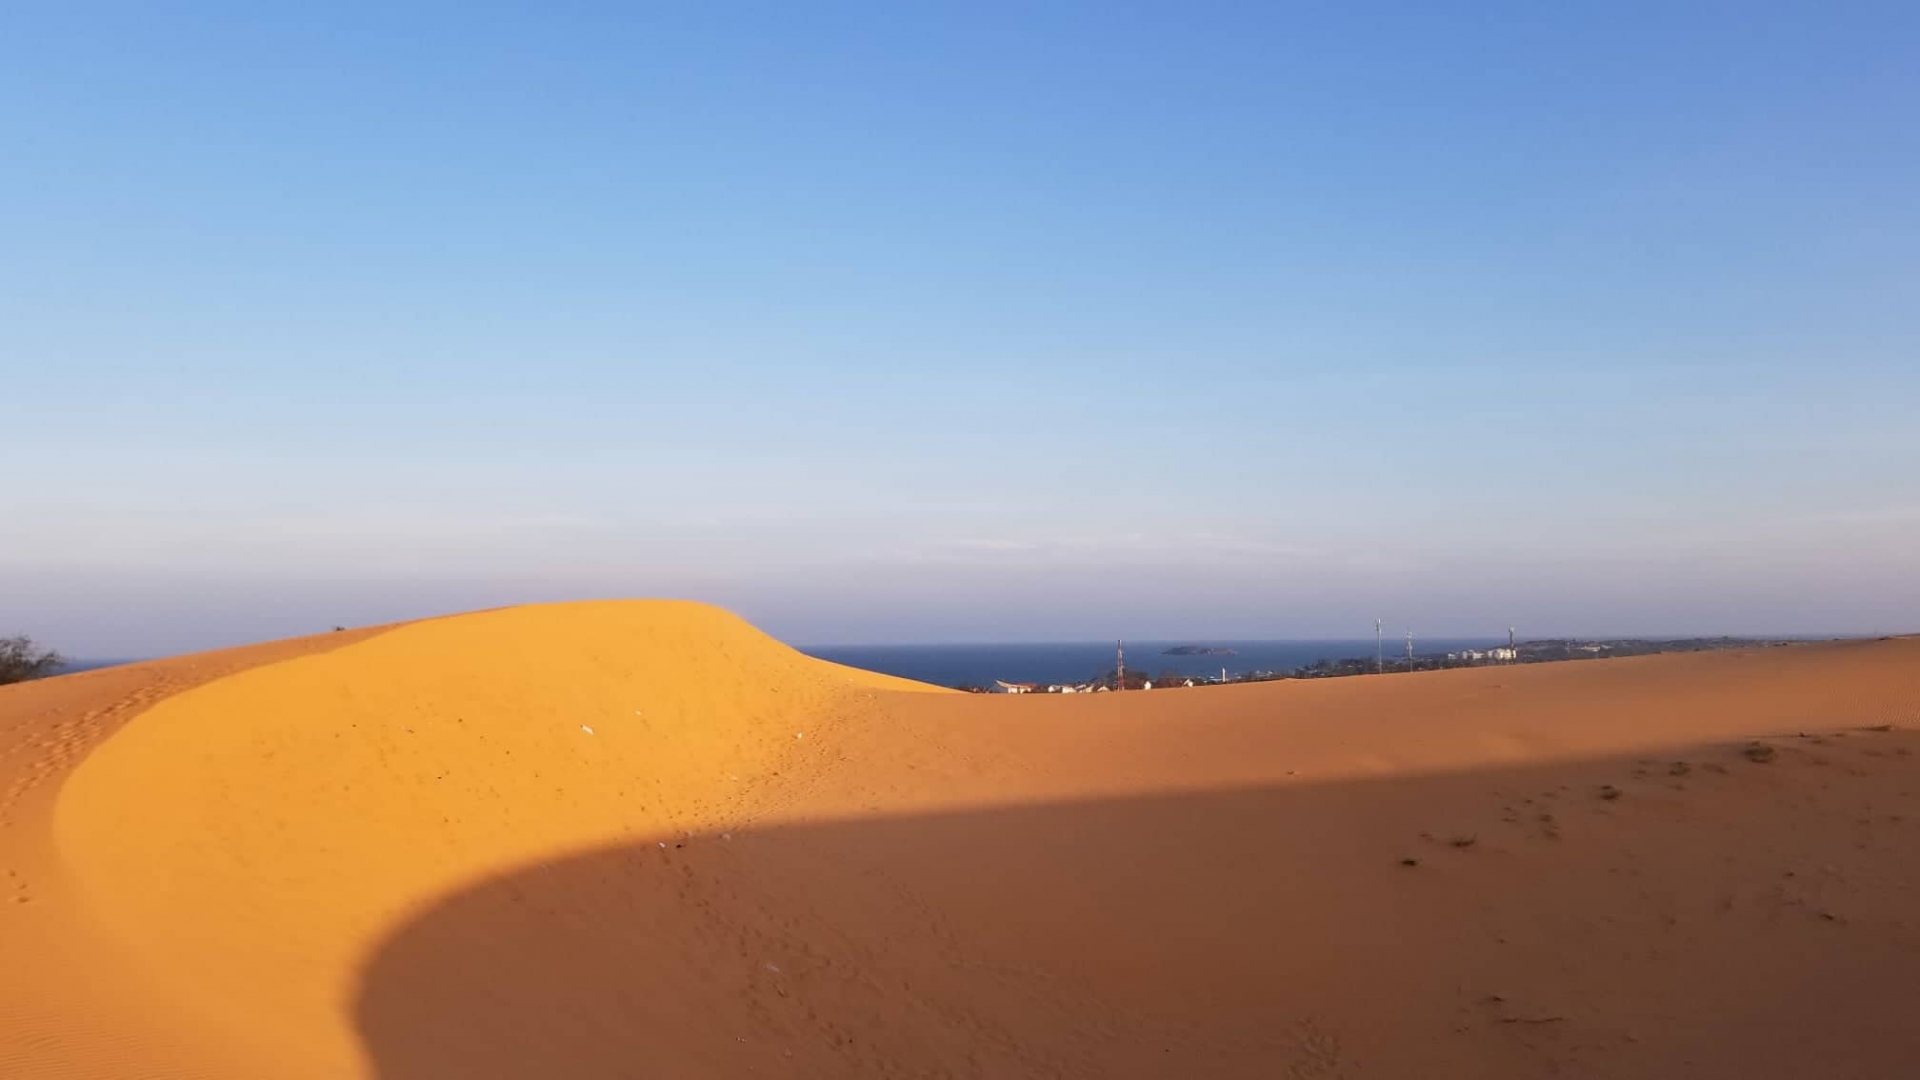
(1119, 665)
(1409, 650)
(1379, 651)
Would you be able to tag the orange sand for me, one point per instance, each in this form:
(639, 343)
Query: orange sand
(642, 839)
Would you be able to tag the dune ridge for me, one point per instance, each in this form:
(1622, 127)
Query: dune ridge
(315, 800)
(641, 838)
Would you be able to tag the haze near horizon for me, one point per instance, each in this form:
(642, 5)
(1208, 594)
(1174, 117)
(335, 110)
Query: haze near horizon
(961, 323)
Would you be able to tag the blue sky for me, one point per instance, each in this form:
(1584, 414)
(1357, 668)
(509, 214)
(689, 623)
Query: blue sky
(961, 322)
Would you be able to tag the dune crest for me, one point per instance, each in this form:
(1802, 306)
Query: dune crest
(250, 838)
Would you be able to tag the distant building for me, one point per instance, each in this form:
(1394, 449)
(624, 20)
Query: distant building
(1014, 687)
(1503, 655)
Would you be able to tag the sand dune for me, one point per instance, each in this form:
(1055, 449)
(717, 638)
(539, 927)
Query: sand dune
(642, 839)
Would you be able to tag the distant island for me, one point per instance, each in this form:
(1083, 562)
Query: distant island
(1196, 650)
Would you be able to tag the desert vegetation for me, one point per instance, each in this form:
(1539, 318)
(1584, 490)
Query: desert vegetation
(21, 659)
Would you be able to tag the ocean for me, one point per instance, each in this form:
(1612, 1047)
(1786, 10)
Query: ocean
(980, 665)
(74, 667)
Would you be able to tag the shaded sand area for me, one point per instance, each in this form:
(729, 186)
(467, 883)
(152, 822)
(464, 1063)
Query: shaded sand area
(641, 839)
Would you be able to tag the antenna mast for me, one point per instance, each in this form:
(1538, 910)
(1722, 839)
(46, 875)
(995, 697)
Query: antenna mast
(1379, 650)
(1119, 665)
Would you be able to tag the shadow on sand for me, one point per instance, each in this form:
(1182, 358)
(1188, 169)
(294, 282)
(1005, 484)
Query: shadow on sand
(1751, 920)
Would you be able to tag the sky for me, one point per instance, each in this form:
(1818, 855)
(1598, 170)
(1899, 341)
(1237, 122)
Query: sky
(944, 322)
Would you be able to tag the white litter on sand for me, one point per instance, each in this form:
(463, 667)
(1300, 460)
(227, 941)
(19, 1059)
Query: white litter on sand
(586, 729)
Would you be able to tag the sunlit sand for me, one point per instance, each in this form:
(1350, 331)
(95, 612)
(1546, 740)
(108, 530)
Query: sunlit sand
(643, 839)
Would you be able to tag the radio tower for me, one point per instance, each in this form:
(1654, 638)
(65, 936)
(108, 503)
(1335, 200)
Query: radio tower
(1379, 650)
(1119, 665)
(1409, 650)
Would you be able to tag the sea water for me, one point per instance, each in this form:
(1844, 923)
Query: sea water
(1071, 662)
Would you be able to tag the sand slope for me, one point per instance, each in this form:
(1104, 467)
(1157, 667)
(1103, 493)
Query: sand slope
(72, 1004)
(642, 839)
